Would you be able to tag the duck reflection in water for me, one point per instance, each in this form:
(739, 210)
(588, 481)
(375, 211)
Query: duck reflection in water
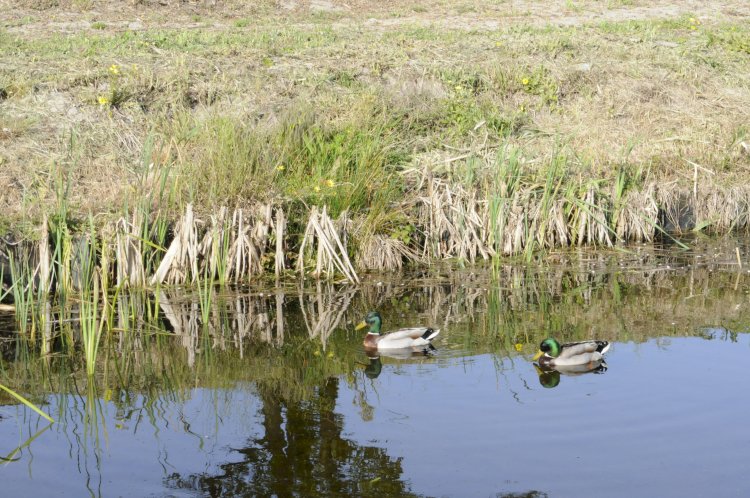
(550, 377)
(375, 366)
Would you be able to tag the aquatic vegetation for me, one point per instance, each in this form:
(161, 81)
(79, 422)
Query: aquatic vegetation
(26, 402)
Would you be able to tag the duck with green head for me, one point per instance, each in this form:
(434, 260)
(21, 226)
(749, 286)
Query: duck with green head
(415, 337)
(553, 354)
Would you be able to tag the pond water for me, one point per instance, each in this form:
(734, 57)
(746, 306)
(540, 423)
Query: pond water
(271, 393)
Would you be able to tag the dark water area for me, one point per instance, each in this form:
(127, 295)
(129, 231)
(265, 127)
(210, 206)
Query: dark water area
(270, 393)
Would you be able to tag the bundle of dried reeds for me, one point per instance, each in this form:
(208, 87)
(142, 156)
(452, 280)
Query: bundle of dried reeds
(637, 215)
(380, 252)
(331, 253)
(180, 263)
(128, 253)
(454, 221)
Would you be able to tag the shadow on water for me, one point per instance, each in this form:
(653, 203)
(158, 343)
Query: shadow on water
(176, 372)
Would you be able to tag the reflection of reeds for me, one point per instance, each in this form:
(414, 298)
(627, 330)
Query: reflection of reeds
(323, 310)
(169, 339)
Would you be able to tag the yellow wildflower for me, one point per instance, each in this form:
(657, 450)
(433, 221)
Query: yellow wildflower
(519, 347)
(458, 88)
(317, 188)
(102, 100)
(114, 69)
(330, 183)
(693, 20)
(280, 167)
(525, 81)
(498, 44)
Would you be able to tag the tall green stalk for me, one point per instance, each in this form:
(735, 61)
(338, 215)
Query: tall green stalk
(26, 402)
(91, 327)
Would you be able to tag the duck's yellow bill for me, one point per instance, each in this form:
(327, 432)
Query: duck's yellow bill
(361, 325)
(537, 356)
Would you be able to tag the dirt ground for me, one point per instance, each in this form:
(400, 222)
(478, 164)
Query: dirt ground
(66, 16)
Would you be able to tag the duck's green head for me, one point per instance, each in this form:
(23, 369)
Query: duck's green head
(372, 320)
(550, 347)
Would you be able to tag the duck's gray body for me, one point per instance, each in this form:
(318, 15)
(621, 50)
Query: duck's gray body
(415, 337)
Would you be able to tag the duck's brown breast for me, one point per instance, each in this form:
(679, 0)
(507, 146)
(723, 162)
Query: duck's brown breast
(371, 341)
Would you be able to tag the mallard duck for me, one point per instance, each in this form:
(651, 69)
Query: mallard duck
(552, 354)
(416, 337)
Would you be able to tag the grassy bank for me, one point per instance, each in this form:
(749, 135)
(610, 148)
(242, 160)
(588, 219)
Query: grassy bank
(427, 130)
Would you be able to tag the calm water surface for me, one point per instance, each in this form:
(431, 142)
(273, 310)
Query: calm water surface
(279, 399)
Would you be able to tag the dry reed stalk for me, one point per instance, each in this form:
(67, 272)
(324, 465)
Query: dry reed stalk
(513, 236)
(455, 222)
(330, 251)
(381, 252)
(106, 238)
(724, 208)
(591, 218)
(44, 267)
(263, 223)
(548, 225)
(279, 228)
(244, 255)
(128, 253)
(674, 203)
(638, 215)
(558, 234)
(213, 242)
(180, 263)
